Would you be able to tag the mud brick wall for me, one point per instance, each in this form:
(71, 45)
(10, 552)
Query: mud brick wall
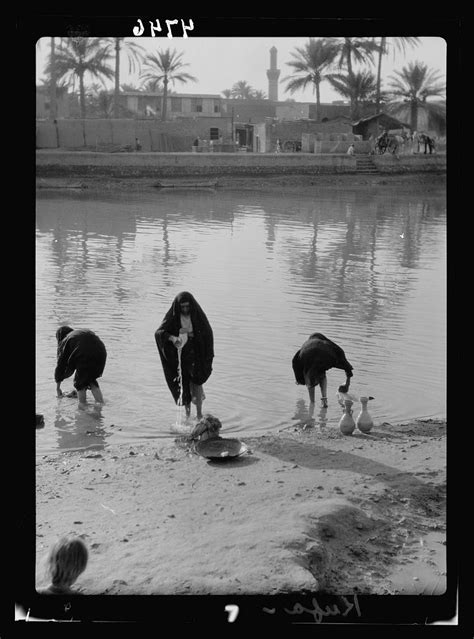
(57, 163)
(388, 163)
(126, 165)
(176, 135)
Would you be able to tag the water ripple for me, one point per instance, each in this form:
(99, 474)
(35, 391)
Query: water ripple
(269, 271)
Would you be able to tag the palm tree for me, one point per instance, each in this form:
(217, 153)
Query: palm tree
(354, 50)
(310, 63)
(61, 87)
(134, 56)
(241, 90)
(165, 66)
(259, 95)
(227, 93)
(53, 97)
(412, 86)
(152, 86)
(397, 43)
(77, 56)
(359, 88)
(51, 84)
(100, 101)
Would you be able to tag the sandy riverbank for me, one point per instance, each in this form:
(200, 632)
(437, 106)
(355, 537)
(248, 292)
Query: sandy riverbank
(291, 184)
(305, 510)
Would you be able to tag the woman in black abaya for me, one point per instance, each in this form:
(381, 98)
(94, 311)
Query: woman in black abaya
(316, 356)
(186, 327)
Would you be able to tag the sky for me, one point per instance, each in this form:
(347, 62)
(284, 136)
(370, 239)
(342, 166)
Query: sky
(219, 62)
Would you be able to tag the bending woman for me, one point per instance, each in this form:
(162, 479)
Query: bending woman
(186, 327)
(316, 356)
(80, 350)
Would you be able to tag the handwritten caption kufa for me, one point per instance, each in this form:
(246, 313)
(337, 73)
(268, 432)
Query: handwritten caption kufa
(318, 613)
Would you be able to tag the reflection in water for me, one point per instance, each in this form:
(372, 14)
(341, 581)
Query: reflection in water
(352, 273)
(270, 270)
(166, 247)
(301, 412)
(80, 429)
(310, 415)
(322, 418)
(270, 227)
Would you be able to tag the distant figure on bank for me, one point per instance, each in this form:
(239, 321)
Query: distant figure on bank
(373, 145)
(430, 143)
(351, 149)
(138, 146)
(82, 351)
(419, 140)
(196, 144)
(67, 559)
(425, 141)
(316, 356)
(185, 328)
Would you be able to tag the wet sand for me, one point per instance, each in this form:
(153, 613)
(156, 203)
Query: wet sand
(304, 510)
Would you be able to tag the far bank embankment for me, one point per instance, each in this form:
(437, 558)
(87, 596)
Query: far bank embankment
(86, 165)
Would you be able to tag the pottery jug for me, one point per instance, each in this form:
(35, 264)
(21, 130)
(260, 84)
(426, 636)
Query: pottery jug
(364, 421)
(346, 423)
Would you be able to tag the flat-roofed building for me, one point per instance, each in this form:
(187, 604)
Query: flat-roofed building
(178, 104)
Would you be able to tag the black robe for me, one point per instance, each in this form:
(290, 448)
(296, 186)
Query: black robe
(197, 354)
(79, 350)
(317, 355)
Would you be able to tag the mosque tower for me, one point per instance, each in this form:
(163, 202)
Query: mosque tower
(272, 75)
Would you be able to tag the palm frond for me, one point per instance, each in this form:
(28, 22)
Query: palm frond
(164, 66)
(416, 81)
(182, 77)
(402, 43)
(297, 84)
(310, 62)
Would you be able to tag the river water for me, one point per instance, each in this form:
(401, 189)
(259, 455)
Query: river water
(365, 267)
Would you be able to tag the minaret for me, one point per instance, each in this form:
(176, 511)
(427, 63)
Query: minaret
(272, 75)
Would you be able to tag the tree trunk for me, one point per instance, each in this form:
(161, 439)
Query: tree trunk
(349, 59)
(354, 106)
(82, 100)
(355, 109)
(165, 99)
(350, 71)
(117, 78)
(318, 103)
(383, 41)
(414, 115)
(53, 102)
(82, 96)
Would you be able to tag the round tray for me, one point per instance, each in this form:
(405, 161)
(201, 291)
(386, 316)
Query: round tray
(220, 448)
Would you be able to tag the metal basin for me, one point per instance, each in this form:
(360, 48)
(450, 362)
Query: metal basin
(220, 448)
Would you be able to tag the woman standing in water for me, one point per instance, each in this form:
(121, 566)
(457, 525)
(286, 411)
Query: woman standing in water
(317, 355)
(185, 328)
